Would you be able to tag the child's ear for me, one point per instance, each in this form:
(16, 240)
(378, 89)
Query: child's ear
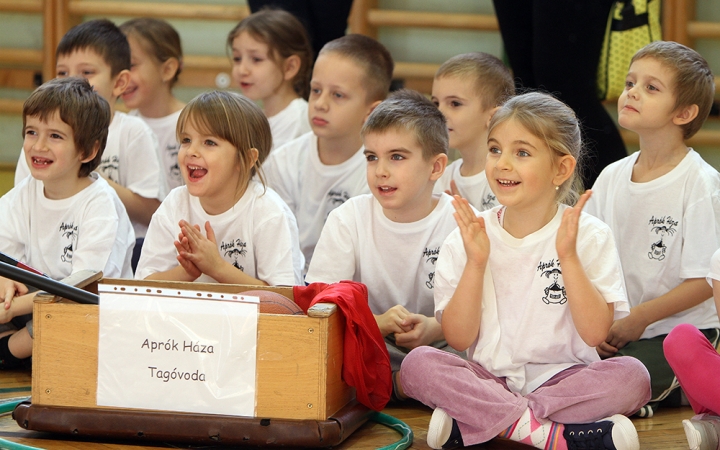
(686, 114)
(93, 153)
(490, 116)
(121, 83)
(371, 108)
(564, 168)
(169, 69)
(291, 67)
(438, 167)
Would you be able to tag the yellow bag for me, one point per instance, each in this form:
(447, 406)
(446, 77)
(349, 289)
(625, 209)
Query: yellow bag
(632, 25)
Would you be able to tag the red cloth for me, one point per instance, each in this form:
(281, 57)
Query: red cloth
(366, 362)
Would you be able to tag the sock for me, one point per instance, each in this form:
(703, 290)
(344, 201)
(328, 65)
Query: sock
(540, 433)
(7, 359)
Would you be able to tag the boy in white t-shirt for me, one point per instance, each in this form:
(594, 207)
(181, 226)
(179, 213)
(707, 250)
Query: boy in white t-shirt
(390, 240)
(63, 218)
(468, 89)
(662, 205)
(319, 171)
(98, 51)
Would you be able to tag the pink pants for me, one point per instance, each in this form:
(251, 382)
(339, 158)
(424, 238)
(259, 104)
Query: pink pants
(696, 364)
(483, 405)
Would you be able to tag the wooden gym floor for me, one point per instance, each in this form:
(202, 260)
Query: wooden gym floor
(664, 431)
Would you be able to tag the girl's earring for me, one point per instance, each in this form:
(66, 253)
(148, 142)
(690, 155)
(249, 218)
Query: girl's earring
(557, 188)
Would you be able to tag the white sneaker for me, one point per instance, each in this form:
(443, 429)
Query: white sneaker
(439, 428)
(702, 432)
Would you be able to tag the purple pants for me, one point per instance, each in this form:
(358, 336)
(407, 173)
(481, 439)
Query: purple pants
(696, 364)
(483, 405)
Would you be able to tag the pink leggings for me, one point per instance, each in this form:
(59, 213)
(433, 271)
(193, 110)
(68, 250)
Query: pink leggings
(696, 364)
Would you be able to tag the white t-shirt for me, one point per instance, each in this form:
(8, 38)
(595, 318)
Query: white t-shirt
(714, 267)
(258, 235)
(526, 330)
(290, 123)
(396, 261)
(310, 188)
(130, 159)
(474, 188)
(168, 146)
(89, 230)
(666, 230)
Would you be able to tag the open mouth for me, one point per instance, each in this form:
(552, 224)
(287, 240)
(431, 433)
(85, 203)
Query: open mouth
(508, 183)
(386, 189)
(129, 91)
(196, 172)
(37, 161)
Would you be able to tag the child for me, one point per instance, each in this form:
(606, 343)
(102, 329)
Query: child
(529, 288)
(98, 51)
(272, 60)
(64, 217)
(156, 62)
(390, 240)
(695, 360)
(468, 89)
(250, 235)
(318, 171)
(662, 205)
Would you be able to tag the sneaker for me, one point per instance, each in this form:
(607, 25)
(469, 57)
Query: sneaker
(613, 433)
(702, 432)
(443, 431)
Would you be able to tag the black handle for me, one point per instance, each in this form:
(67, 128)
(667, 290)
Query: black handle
(48, 284)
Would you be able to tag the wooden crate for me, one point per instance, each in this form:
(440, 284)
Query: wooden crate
(299, 357)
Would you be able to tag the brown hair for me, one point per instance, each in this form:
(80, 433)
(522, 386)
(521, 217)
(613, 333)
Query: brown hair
(285, 36)
(410, 110)
(101, 36)
(555, 123)
(79, 106)
(158, 38)
(236, 119)
(371, 56)
(493, 81)
(694, 83)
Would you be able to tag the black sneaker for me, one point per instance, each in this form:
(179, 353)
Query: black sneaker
(443, 431)
(612, 433)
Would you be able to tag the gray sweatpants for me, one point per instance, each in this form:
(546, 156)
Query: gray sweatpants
(483, 405)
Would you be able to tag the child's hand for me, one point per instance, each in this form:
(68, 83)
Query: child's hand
(423, 331)
(391, 321)
(454, 191)
(626, 330)
(472, 229)
(197, 249)
(606, 350)
(183, 246)
(9, 289)
(568, 231)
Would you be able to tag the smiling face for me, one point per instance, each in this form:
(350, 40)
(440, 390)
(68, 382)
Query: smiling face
(338, 103)
(254, 68)
(457, 98)
(521, 169)
(399, 177)
(648, 101)
(88, 64)
(146, 77)
(211, 169)
(52, 157)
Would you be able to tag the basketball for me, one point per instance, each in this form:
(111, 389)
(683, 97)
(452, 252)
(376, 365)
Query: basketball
(274, 303)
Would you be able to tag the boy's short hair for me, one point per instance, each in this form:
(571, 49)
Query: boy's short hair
(79, 106)
(694, 83)
(369, 54)
(410, 110)
(494, 83)
(101, 36)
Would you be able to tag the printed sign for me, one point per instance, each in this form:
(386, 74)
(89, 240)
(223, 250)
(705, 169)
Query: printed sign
(175, 350)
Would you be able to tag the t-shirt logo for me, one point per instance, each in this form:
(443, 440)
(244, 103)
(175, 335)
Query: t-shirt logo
(68, 231)
(488, 202)
(663, 226)
(110, 167)
(233, 251)
(431, 255)
(554, 293)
